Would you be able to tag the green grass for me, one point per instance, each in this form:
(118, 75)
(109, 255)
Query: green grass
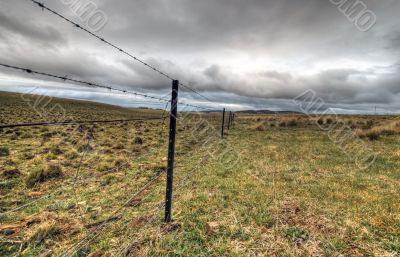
(293, 193)
(4, 151)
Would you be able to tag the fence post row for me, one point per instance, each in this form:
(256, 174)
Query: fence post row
(223, 123)
(171, 151)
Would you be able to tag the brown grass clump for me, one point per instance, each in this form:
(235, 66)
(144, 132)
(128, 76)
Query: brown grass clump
(329, 121)
(292, 123)
(41, 174)
(375, 133)
(44, 232)
(261, 127)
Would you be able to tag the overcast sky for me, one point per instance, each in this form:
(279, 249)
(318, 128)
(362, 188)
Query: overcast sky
(240, 53)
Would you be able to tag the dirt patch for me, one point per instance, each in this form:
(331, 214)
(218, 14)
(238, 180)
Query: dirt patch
(11, 173)
(291, 214)
(171, 227)
(140, 222)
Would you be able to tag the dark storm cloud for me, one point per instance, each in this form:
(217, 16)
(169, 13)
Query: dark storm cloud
(254, 53)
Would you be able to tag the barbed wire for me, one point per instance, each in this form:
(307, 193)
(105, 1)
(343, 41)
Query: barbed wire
(63, 187)
(76, 25)
(92, 84)
(180, 185)
(70, 122)
(72, 250)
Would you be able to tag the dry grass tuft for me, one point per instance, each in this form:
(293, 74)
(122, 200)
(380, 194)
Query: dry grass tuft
(374, 133)
(261, 127)
(41, 174)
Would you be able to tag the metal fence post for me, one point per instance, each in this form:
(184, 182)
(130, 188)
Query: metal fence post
(223, 123)
(171, 151)
(229, 120)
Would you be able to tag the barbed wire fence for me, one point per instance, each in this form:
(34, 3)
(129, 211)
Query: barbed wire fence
(207, 133)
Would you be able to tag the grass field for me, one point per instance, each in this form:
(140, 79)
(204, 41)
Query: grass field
(64, 191)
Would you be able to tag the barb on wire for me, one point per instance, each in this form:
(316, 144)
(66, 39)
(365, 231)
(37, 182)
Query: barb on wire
(119, 49)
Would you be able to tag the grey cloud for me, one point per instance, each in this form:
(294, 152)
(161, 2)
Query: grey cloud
(13, 26)
(252, 53)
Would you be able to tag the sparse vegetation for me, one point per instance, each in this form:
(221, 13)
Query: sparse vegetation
(44, 232)
(41, 174)
(293, 193)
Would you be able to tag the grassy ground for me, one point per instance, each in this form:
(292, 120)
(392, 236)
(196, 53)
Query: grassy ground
(293, 193)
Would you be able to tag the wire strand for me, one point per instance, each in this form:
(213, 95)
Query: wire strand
(76, 25)
(92, 84)
(66, 123)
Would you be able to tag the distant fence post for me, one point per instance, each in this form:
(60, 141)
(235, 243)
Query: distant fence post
(223, 123)
(171, 151)
(229, 120)
(233, 120)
